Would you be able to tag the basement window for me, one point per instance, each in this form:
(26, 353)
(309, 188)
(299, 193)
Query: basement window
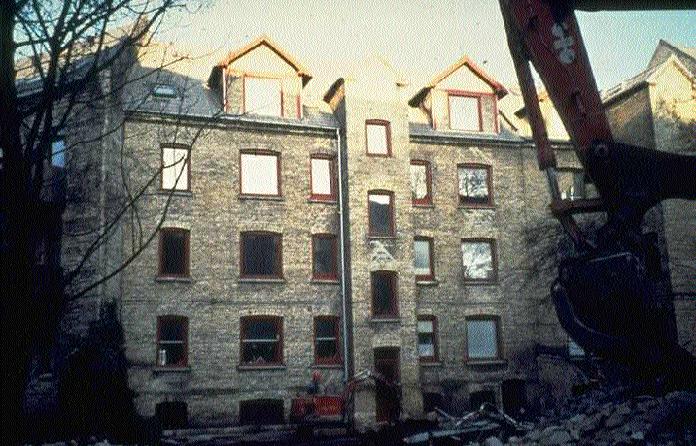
(381, 213)
(384, 297)
(172, 341)
(479, 260)
(261, 340)
(474, 185)
(323, 178)
(173, 252)
(427, 339)
(263, 96)
(326, 340)
(175, 168)
(261, 255)
(260, 173)
(482, 338)
(324, 257)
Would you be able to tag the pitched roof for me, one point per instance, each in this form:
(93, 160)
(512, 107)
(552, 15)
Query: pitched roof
(265, 41)
(499, 89)
(686, 54)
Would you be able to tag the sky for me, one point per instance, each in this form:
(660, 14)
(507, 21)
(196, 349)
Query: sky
(420, 38)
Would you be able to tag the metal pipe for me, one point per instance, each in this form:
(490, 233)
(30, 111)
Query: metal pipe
(344, 291)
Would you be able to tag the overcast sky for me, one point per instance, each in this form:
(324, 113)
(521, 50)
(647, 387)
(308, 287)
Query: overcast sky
(421, 37)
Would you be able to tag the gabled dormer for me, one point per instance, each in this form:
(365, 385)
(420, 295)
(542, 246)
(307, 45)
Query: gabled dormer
(463, 98)
(260, 79)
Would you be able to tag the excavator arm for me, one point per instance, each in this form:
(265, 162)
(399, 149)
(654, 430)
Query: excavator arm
(606, 298)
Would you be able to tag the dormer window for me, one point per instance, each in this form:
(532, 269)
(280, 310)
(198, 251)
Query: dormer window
(263, 96)
(164, 91)
(465, 112)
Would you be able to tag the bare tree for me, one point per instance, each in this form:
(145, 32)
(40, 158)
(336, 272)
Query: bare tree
(63, 69)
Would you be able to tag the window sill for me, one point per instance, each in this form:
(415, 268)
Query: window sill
(382, 237)
(424, 205)
(319, 200)
(430, 363)
(260, 280)
(482, 282)
(386, 320)
(160, 369)
(476, 206)
(165, 279)
(486, 362)
(175, 193)
(242, 368)
(430, 282)
(379, 155)
(261, 197)
(326, 366)
(325, 281)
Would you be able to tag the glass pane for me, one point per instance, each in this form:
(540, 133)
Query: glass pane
(419, 181)
(256, 329)
(259, 174)
(477, 259)
(58, 153)
(482, 339)
(425, 327)
(574, 349)
(171, 354)
(262, 96)
(382, 294)
(172, 329)
(260, 255)
(380, 214)
(321, 176)
(326, 350)
(174, 252)
(422, 257)
(473, 185)
(260, 352)
(464, 113)
(175, 168)
(324, 256)
(326, 328)
(377, 139)
(426, 345)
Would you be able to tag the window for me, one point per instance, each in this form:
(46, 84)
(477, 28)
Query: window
(384, 301)
(423, 258)
(261, 255)
(479, 260)
(263, 96)
(421, 189)
(381, 214)
(164, 91)
(58, 152)
(465, 112)
(324, 256)
(262, 340)
(175, 168)
(326, 340)
(323, 178)
(474, 185)
(427, 338)
(378, 137)
(482, 337)
(574, 350)
(174, 252)
(260, 173)
(574, 184)
(172, 341)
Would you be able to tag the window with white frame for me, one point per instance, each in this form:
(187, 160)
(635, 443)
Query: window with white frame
(175, 168)
(260, 173)
(263, 96)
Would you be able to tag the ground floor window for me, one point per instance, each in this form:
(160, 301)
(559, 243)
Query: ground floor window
(172, 341)
(326, 340)
(260, 412)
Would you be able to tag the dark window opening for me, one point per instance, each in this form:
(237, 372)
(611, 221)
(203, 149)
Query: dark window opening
(431, 401)
(262, 340)
(476, 399)
(324, 257)
(381, 214)
(172, 341)
(261, 255)
(172, 414)
(261, 412)
(384, 299)
(514, 397)
(174, 252)
(326, 340)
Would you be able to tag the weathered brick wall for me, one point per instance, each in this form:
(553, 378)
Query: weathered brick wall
(630, 119)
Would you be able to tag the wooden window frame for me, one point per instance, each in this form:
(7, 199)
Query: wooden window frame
(498, 337)
(489, 185)
(259, 76)
(431, 276)
(479, 96)
(494, 259)
(337, 333)
(436, 344)
(279, 253)
(387, 125)
(428, 199)
(278, 173)
(392, 216)
(185, 342)
(394, 301)
(331, 197)
(278, 323)
(329, 276)
(187, 253)
(187, 163)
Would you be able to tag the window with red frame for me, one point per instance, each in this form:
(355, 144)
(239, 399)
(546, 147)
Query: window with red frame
(323, 178)
(378, 137)
(261, 255)
(423, 258)
(324, 257)
(381, 213)
(421, 183)
(474, 185)
(173, 252)
(326, 340)
(384, 295)
(427, 338)
(261, 340)
(465, 112)
(172, 341)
